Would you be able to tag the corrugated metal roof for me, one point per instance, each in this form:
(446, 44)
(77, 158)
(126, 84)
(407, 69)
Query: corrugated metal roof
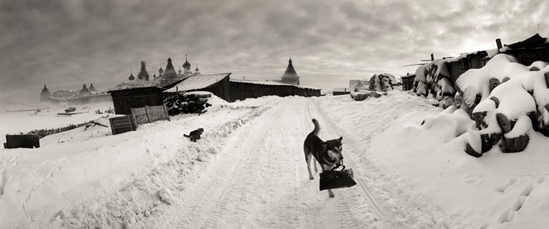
(133, 84)
(272, 83)
(198, 82)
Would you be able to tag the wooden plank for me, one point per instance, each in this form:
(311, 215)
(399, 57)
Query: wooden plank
(147, 112)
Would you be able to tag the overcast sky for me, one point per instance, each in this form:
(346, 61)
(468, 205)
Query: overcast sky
(66, 43)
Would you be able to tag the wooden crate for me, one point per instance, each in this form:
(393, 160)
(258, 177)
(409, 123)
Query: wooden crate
(122, 124)
(22, 141)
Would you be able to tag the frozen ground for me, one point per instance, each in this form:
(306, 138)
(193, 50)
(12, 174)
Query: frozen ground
(248, 171)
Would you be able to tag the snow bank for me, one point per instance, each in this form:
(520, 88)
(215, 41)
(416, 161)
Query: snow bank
(495, 191)
(87, 177)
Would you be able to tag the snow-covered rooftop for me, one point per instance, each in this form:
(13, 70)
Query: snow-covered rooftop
(273, 83)
(133, 84)
(198, 82)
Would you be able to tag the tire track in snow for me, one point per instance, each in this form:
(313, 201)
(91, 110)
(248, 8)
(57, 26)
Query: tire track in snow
(348, 157)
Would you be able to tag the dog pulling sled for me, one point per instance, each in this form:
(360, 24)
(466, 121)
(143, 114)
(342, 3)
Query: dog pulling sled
(333, 179)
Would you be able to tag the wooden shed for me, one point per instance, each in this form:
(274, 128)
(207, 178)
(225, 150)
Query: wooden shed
(22, 141)
(532, 49)
(408, 82)
(341, 91)
(126, 99)
(459, 65)
(242, 89)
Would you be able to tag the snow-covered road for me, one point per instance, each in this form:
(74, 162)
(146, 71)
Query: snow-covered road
(259, 180)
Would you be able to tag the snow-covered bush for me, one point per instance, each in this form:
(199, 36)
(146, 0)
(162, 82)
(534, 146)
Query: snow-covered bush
(507, 100)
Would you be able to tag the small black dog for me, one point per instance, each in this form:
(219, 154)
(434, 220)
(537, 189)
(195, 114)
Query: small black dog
(195, 134)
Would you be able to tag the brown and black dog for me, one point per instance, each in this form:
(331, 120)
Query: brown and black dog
(328, 154)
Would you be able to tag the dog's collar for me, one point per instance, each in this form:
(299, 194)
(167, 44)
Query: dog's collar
(327, 160)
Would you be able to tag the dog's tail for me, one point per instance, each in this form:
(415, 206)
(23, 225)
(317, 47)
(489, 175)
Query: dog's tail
(186, 135)
(317, 127)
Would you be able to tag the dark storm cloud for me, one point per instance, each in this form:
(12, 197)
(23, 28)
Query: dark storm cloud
(65, 43)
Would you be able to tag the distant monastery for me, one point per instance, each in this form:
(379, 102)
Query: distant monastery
(167, 78)
(74, 97)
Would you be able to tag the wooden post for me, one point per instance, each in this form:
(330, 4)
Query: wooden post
(148, 115)
(130, 121)
(166, 112)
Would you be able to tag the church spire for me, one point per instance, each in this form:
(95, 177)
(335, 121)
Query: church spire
(290, 75)
(143, 74)
(92, 89)
(169, 76)
(45, 94)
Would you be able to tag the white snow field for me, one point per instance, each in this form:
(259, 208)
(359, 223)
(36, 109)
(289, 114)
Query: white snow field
(248, 171)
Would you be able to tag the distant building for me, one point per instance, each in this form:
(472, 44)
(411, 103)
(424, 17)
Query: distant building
(169, 76)
(358, 85)
(408, 81)
(84, 91)
(341, 91)
(290, 75)
(92, 89)
(45, 94)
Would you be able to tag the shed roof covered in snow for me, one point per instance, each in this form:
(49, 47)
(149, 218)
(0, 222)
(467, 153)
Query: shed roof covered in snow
(531, 42)
(133, 84)
(198, 82)
(271, 83)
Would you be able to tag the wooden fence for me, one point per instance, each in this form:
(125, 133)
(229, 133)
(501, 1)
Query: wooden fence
(149, 114)
(139, 116)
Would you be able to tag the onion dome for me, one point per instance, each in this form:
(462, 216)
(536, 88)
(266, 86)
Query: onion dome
(186, 65)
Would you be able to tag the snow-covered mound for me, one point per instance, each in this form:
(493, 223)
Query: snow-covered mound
(411, 155)
(507, 100)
